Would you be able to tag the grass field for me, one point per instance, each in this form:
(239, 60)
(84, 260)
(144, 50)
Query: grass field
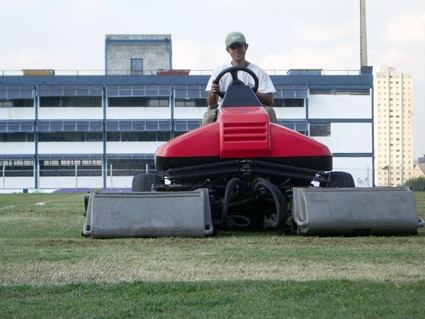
(48, 270)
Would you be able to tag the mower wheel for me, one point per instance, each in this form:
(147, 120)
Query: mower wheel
(340, 180)
(143, 182)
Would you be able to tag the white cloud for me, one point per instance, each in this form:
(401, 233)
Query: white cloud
(321, 34)
(188, 54)
(406, 30)
(338, 57)
(35, 58)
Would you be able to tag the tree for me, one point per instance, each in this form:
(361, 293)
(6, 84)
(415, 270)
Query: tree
(417, 184)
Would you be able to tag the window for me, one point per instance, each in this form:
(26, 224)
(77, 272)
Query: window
(127, 101)
(320, 129)
(146, 136)
(185, 103)
(16, 103)
(70, 137)
(298, 126)
(6, 103)
(20, 168)
(190, 92)
(277, 102)
(17, 137)
(159, 102)
(64, 167)
(70, 130)
(293, 102)
(137, 66)
(128, 167)
(340, 92)
(138, 101)
(138, 130)
(183, 126)
(191, 102)
(70, 101)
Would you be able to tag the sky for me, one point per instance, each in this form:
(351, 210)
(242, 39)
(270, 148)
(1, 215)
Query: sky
(69, 35)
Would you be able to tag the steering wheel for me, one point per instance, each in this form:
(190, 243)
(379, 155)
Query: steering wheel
(235, 81)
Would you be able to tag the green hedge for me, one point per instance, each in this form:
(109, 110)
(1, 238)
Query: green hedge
(416, 184)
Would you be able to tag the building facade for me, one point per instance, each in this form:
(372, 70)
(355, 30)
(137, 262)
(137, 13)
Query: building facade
(393, 126)
(99, 131)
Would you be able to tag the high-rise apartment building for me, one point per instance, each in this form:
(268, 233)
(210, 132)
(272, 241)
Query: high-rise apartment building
(393, 126)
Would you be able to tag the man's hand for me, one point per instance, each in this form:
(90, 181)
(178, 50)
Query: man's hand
(215, 88)
(212, 98)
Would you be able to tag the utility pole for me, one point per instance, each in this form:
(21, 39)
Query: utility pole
(363, 38)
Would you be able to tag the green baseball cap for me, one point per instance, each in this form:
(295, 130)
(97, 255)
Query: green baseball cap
(235, 37)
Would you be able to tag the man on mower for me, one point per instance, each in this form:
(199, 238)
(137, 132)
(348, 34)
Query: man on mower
(236, 46)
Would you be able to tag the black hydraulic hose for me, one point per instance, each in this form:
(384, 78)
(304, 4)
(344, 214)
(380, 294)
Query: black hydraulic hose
(279, 200)
(229, 220)
(242, 202)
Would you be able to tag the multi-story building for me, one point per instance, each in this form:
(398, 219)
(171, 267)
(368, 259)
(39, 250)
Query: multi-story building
(393, 122)
(97, 131)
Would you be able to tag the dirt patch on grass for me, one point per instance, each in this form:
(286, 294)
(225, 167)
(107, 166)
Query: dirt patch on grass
(228, 257)
(138, 268)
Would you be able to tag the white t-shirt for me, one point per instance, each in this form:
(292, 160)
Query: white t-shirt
(265, 84)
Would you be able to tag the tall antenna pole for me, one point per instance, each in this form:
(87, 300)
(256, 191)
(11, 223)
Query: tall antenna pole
(363, 38)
